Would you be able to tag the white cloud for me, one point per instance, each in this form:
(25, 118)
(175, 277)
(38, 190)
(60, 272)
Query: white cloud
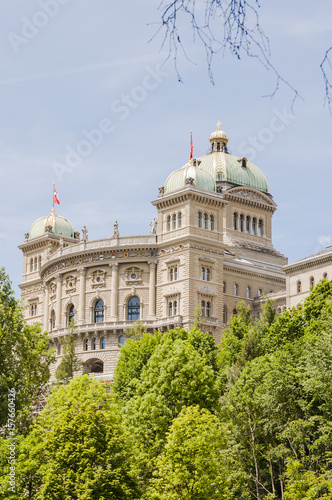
(324, 240)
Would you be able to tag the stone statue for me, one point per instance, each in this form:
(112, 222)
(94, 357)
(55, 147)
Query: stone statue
(153, 225)
(84, 234)
(116, 233)
(61, 242)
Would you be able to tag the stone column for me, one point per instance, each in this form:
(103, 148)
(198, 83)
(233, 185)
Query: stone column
(46, 302)
(114, 293)
(81, 305)
(58, 301)
(152, 291)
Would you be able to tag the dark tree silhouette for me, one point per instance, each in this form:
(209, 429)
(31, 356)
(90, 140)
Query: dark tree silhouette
(221, 25)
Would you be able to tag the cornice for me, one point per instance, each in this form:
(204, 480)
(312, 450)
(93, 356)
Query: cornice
(309, 264)
(258, 274)
(190, 194)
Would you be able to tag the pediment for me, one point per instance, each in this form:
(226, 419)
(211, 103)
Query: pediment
(250, 195)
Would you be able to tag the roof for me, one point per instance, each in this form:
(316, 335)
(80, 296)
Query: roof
(56, 224)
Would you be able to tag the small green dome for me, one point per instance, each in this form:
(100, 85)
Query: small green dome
(218, 133)
(189, 175)
(59, 225)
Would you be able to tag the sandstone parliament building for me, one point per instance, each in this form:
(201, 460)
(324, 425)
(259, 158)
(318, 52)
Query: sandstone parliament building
(211, 246)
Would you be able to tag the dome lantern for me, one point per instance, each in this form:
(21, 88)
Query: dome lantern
(219, 140)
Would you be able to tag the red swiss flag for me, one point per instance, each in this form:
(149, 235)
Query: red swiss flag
(56, 199)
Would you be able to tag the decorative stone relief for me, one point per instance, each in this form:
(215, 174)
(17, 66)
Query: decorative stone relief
(249, 195)
(133, 275)
(207, 290)
(98, 278)
(70, 284)
(172, 290)
(190, 181)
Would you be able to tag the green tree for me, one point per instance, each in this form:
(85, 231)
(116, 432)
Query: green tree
(25, 357)
(70, 363)
(191, 467)
(307, 485)
(175, 376)
(77, 449)
(136, 331)
(134, 356)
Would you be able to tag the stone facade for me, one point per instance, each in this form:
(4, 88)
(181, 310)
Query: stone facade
(303, 275)
(213, 249)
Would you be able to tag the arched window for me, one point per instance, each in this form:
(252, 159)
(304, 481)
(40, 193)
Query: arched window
(248, 291)
(203, 307)
(103, 343)
(312, 282)
(235, 289)
(121, 341)
(260, 293)
(39, 262)
(224, 315)
(169, 223)
(86, 344)
(71, 314)
(325, 276)
(199, 219)
(32, 310)
(211, 222)
(203, 273)
(254, 226)
(235, 221)
(170, 306)
(36, 264)
(31, 265)
(99, 311)
(260, 227)
(175, 307)
(207, 309)
(174, 221)
(179, 219)
(52, 321)
(298, 285)
(94, 344)
(207, 274)
(241, 222)
(175, 273)
(133, 309)
(224, 287)
(172, 273)
(205, 221)
(248, 224)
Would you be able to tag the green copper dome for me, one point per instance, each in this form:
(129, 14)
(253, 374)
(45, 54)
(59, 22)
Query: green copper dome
(229, 168)
(189, 175)
(59, 225)
(217, 167)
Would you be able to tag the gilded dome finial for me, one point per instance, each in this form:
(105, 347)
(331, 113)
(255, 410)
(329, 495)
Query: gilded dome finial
(218, 125)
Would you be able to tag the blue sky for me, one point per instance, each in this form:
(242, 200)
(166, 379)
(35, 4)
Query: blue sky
(90, 65)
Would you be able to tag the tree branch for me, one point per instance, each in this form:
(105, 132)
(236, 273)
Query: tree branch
(237, 24)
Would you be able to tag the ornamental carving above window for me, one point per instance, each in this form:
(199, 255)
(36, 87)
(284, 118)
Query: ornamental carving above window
(98, 278)
(133, 275)
(70, 284)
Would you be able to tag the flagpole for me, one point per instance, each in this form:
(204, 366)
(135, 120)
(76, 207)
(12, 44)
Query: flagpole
(53, 193)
